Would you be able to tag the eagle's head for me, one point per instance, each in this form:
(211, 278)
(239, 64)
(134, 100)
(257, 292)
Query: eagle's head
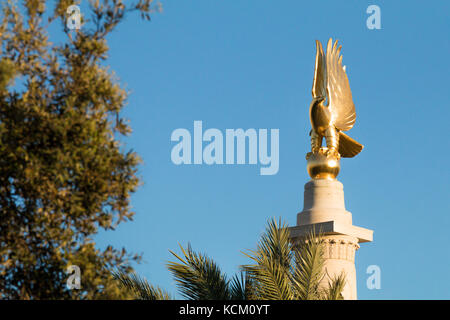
(318, 101)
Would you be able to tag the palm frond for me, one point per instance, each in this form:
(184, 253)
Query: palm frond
(271, 271)
(280, 271)
(308, 270)
(335, 288)
(198, 277)
(140, 286)
(241, 287)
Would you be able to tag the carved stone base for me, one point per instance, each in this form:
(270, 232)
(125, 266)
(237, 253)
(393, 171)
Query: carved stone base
(324, 212)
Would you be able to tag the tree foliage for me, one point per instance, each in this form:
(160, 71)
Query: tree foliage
(63, 173)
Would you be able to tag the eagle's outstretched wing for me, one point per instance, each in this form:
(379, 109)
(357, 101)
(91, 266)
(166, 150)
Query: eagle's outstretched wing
(319, 88)
(338, 87)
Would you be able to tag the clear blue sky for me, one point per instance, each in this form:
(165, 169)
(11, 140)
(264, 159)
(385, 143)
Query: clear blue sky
(249, 64)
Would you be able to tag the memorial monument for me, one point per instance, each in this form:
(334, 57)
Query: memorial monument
(331, 112)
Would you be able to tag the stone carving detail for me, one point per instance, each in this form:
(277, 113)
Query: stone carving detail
(340, 249)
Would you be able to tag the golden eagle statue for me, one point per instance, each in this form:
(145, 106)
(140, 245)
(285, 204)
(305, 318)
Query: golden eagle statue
(331, 112)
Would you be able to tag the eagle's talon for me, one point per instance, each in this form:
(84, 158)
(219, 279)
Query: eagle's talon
(332, 152)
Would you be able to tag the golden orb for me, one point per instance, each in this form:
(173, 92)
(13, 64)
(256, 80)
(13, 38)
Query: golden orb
(321, 165)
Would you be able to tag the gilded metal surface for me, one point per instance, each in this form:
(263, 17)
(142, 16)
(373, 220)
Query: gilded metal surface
(331, 112)
(338, 114)
(321, 165)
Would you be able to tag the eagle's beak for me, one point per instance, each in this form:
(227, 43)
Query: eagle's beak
(319, 99)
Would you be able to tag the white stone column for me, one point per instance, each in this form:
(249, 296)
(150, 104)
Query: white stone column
(324, 211)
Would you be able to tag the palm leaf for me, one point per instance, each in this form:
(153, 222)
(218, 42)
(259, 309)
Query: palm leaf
(335, 288)
(140, 287)
(241, 287)
(281, 271)
(198, 277)
(308, 271)
(270, 273)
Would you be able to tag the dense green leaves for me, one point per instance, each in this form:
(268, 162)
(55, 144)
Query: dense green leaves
(63, 172)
